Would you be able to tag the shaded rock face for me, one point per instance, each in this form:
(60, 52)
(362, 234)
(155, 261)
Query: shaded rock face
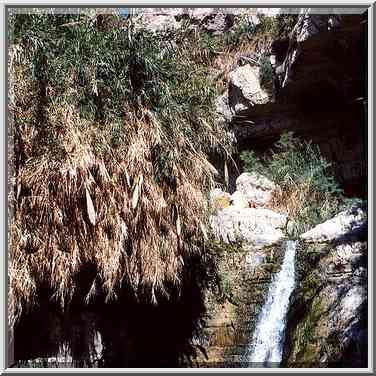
(132, 332)
(245, 273)
(320, 91)
(327, 321)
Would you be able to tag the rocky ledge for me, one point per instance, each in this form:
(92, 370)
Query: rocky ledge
(248, 235)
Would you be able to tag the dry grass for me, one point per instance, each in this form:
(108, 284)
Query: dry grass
(75, 204)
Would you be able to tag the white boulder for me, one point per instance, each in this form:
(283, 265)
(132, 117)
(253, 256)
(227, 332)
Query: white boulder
(257, 189)
(341, 225)
(238, 200)
(245, 89)
(258, 227)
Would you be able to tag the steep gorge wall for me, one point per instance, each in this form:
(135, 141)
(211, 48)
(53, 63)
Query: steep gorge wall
(322, 97)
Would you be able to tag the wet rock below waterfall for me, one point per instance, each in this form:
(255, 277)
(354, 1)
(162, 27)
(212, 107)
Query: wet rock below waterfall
(245, 271)
(327, 322)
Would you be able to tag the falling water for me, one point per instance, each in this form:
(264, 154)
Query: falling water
(267, 344)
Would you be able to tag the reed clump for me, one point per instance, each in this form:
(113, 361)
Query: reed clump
(110, 131)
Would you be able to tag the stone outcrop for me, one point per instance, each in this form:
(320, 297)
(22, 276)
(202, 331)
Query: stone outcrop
(245, 89)
(256, 226)
(250, 253)
(320, 91)
(343, 224)
(257, 189)
(327, 321)
(242, 216)
(212, 20)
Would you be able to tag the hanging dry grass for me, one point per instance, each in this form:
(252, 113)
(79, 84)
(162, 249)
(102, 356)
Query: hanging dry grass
(79, 199)
(111, 213)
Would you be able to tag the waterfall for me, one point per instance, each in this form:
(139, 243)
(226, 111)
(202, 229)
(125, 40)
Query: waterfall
(267, 344)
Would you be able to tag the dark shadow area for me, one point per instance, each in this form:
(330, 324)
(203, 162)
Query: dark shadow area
(134, 333)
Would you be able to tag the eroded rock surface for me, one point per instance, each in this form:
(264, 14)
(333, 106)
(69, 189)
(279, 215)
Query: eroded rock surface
(249, 238)
(257, 226)
(343, 224)
(245, 89)
(327, 322)
(257, 189)
(245, 217)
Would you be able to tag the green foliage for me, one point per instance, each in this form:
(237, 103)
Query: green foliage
(285, 24)
(267, 25)
(244, 30)
(106, 74)
(219, 248)
(294, 161)
(277, 27)
(208, 43)
(266, 71)
(303, 174)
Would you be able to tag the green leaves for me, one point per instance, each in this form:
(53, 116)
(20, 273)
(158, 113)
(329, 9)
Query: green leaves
(300, 170)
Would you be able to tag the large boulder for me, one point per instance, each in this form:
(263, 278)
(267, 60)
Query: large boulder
(256, 226)
(257, 189)
(239, 216)
(245, 89)
(158, 23)
(344, 224)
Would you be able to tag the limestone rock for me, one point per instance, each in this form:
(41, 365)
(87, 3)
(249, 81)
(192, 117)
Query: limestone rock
(256, 226)
(158, 23)
(219, 199)
(238, 200)
(343, 224)
(257, 189)
(331, 296)
(212, 20)
(244, 88)
(222, 108)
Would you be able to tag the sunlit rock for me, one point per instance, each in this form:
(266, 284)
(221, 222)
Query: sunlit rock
(345, 223)
(257, 189)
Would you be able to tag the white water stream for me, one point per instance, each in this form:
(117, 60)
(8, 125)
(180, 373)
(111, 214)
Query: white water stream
(267, 343)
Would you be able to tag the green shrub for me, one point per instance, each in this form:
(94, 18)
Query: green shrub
(244, 30)
(277, 27)
(208, 43)
(266, 71)
(309, 192)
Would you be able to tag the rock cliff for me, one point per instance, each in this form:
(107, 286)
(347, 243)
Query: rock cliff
(320, 95)
(327, 323)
